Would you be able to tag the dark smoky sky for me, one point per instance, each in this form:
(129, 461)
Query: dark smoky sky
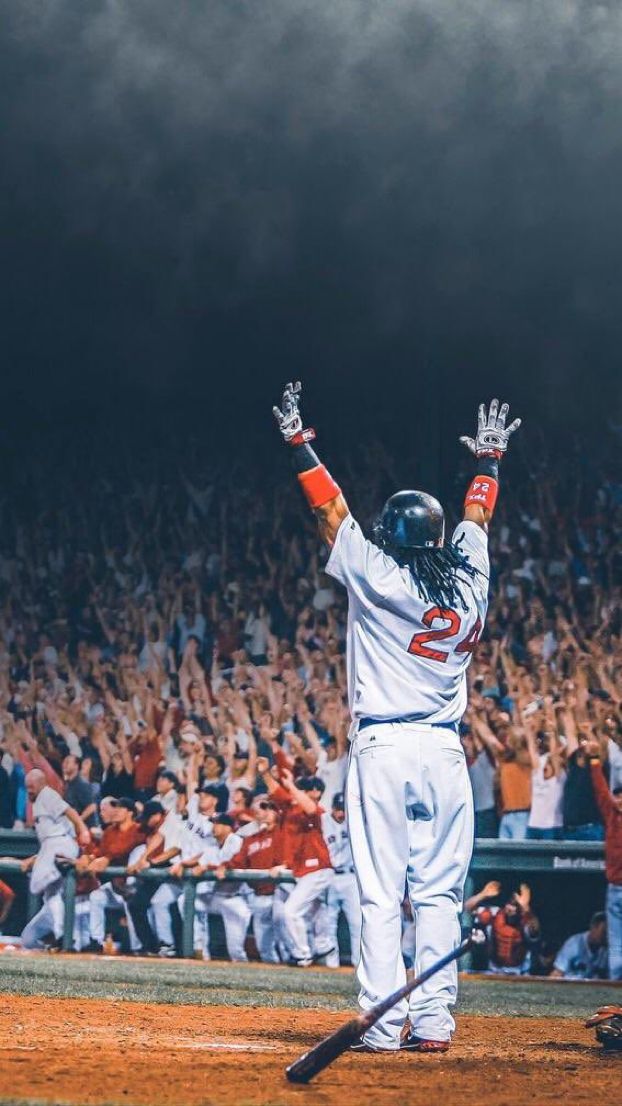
(408, 203)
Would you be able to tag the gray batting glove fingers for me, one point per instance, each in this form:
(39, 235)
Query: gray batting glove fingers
(288, 414)
(492, 433)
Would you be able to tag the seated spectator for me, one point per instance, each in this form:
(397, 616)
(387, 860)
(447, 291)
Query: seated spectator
(584, 955)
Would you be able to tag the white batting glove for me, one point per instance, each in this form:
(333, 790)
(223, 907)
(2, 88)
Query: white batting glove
(492, 434)
(288, 416)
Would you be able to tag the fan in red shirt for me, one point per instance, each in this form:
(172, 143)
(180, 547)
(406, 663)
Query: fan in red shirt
(306, 854)
(610, 806)
(260, 851)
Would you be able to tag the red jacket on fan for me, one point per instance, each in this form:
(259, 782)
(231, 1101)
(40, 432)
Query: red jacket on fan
(304, 847)
(613, 824)
(263, 849)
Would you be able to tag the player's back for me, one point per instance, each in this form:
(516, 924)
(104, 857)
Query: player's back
(407, 656)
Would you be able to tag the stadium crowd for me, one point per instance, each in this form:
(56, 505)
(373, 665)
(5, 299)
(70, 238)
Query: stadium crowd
(172, 667)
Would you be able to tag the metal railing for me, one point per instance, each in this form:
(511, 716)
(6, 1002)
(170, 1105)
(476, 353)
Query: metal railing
(490, 854)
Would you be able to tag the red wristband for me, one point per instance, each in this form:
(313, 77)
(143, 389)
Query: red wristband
(302, 436)
(483, 493)
(318, 486)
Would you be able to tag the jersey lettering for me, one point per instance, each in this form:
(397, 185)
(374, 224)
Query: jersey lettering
(420, 648)
(471, 641)
(418, 642)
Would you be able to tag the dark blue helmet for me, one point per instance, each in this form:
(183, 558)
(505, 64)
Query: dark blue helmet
(410, 520)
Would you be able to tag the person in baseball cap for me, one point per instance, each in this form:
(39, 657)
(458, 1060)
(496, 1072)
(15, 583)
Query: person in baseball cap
(313, 785)
(207, 788)
(151, 809)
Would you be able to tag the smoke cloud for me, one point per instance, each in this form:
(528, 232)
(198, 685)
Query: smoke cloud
(356, 188)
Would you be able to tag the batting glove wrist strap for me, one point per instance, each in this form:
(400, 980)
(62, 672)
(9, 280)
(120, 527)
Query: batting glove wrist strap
(302, 437)
(483, 492)
(318, 486)
(492, 436)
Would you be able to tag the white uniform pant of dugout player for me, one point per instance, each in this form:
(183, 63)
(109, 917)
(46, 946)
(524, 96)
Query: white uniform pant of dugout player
(306, 909)
(343, 895)
(410, 812)
(105, 898)
(234, 911)
(46, 880)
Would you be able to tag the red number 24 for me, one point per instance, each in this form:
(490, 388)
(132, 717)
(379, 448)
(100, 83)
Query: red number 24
(419, 646)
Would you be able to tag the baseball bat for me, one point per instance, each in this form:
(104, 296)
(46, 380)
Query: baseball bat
(314, 1061)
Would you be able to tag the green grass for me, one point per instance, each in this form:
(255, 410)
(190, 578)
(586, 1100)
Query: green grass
(185, 982)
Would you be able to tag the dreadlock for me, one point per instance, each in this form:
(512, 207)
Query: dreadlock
(435, 572)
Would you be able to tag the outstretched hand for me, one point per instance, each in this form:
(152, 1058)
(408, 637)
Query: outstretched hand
(289, 418)
(288, 414)
(492, 435)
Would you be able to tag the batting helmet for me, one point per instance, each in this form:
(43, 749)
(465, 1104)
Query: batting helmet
(410, 520)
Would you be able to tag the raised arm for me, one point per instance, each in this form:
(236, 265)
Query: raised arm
(488, 447)
(322, 493)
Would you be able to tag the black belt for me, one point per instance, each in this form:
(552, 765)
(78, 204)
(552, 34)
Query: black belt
(344, 871)
(364, 723)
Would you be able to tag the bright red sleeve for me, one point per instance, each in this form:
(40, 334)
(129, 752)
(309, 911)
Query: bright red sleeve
(602, 793)
(280, 797)
(240, 859)
(282, 762)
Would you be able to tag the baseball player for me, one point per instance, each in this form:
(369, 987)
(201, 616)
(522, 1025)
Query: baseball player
(121, 836)
(59, 829)
(417, 605)
(262, 850)
(305, 911)
(196, 836)
(228, 898)
(344, 892)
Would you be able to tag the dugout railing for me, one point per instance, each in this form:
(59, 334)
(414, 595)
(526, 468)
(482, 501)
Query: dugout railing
(490, 855)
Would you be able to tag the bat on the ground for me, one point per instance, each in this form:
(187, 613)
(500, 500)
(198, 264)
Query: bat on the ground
(316, 1059)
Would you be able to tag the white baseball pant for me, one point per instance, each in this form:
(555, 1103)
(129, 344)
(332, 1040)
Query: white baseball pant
(48, 921)
(306, 909)
(410, 813)
(344, 896)
(281, 935)
(106, 898)
(160, 910)
(203, 907)
(262, 909)
(236, 915)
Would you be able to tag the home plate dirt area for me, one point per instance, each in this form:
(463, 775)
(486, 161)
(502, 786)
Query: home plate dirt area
(80, 1030)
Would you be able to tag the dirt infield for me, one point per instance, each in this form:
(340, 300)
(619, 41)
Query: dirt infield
(95, 1052)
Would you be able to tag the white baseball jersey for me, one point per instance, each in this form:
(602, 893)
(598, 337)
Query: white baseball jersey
(171, 830)
(49, 813)
(578, 961)
(332, 774)
(338, 840)
(197, 832)
(406, 656)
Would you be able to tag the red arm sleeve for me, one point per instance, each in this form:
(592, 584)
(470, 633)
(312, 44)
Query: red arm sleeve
(240, 860)
(282, 761)
(281, 797)
(602, 793)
